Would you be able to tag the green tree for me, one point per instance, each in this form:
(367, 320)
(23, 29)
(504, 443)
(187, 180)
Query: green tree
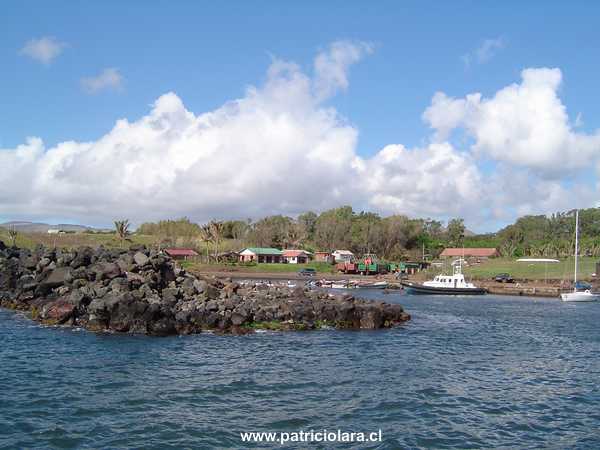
(271, 231)
(333, 228)
(216, 232)
(365, 232)
(456, 232)
(308, 220)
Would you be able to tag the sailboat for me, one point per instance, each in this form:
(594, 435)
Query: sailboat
(578, 295)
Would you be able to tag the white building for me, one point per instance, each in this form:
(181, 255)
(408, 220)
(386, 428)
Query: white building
(343, 256)
(296, 256)
(261, 255)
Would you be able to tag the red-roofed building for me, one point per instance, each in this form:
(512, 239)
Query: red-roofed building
(483, 253)
(296, 256)
(181, 253)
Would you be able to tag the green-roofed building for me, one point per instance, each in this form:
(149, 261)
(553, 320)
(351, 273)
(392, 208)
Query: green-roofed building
(261, 255)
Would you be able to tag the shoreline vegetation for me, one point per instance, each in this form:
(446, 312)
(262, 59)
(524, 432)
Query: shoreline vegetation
(393, 239)
(485, 270)
(143, 291)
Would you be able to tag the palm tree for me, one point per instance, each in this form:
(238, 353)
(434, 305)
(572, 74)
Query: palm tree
(508, 248)
(216, 231)
(12, 234)
(122, 229)
(206, 237)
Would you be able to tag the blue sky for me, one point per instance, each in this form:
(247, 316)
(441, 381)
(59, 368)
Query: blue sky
(209, 53)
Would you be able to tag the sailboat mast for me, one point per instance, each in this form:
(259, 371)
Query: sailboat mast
(576, 244)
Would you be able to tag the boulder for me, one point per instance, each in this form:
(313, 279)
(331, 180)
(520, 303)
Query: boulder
(9, 274)
(100, 310)
(141, 291)
(54, 279)
(170, 295)
(162, 327)
(212, 292)
(30, 262)
(127, 314)
(107, 271)
(140, 259)
(371, 317)
(83, 257)
(58, 311)
(200, 285)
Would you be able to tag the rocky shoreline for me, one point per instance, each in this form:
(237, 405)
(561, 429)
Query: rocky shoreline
(142, 291)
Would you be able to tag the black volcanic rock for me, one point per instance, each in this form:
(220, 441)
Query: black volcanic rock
(144, 291)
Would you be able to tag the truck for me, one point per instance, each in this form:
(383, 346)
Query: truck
(370, 264)
(347, 267)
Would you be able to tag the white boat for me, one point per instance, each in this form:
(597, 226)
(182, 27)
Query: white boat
(578, 295)
(454, 284)
(375, 285)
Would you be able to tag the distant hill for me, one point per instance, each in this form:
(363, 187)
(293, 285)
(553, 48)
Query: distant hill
(39, 227)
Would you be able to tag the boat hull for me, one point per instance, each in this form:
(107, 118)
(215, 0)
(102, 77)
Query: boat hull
(579, 297)
(415, 288)
(380, 285)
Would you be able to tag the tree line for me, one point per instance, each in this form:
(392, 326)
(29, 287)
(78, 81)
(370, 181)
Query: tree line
(551, 236)
(394, 237)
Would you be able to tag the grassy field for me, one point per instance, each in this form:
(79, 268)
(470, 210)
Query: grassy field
(532, 271)
(320, 267)
(71, 240)
(488, 269)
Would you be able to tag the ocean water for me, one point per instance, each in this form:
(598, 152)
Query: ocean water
(484, 372)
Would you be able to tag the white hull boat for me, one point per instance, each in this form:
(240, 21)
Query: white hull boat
(578, 295)
(445, 285)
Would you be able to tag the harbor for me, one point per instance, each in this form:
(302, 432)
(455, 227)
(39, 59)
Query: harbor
(425, 389)
(523, 288)
(300, 225)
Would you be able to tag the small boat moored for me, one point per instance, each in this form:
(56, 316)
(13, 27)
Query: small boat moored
(582, 292)
(454, 284)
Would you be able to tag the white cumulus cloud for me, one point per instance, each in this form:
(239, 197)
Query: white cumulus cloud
(433, 181)
(281, 148)
(109, 78)
(277, 149)
(43, 49)
(524, 124)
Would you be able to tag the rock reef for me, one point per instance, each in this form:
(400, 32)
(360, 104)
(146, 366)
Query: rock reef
(138, 290)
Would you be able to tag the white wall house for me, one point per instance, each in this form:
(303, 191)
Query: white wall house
(261, 255)
(296, 256)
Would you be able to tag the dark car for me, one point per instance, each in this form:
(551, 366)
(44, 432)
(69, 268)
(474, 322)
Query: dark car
(307, 272)
(504, 278)
(583, 286)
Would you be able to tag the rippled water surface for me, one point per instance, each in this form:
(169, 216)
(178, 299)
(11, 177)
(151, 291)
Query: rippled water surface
(464, 373)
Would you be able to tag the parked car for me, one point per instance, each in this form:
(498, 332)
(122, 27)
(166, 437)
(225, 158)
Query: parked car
(307, 272)
(583, 286)
(504, 278)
